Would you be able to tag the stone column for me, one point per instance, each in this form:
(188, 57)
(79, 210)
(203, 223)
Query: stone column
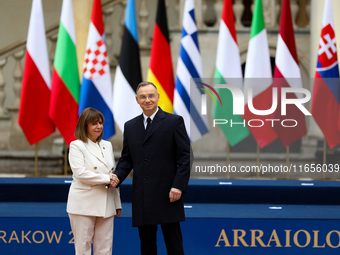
(82, 10)
(269, 13)
(336, 8)
(198, 13)
(315, 30)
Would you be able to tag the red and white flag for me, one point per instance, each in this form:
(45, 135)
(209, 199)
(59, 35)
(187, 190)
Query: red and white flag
(36, 83)
(287, 75)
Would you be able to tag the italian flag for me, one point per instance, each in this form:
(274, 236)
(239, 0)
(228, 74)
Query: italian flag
(258, 77)
(228, 71)
(65, 79)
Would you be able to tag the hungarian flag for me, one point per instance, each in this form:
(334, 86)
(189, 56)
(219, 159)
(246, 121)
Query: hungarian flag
(258, 77)
(128, 72)
(160, 70)
(326, 91)
(228, 71)
(65, 79)
(96, 87)
(36, 82)
(287, 75)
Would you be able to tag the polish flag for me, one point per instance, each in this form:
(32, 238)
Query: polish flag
(36, 82)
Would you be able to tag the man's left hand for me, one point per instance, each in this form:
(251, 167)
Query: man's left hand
(175, 194)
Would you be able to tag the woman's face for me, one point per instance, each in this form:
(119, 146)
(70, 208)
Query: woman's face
(94, 130)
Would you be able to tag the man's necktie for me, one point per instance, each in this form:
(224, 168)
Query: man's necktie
(148, 120)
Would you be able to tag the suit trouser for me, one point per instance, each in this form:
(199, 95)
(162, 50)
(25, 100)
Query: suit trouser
(91, 228)
(172, 237)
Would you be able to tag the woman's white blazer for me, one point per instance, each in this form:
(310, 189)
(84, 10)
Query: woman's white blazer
(88, 194)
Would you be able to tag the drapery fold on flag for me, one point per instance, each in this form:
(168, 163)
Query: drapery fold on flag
(228, 71)
(128, 72)
(160, 70)
(96, 87)
(287, 75)
(36, 82)
(65, 79)
(187, 97)
(258, 77)
(326, 90)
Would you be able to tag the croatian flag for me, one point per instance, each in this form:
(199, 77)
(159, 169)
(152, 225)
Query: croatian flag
(326, 98)
(96, 88)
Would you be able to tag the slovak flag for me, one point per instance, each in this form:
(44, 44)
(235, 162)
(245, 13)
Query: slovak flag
(326, 98)
(96, 87)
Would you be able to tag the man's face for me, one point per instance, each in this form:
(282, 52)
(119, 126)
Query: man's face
(147, 97)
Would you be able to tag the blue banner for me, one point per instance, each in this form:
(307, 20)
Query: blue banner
(200, 236)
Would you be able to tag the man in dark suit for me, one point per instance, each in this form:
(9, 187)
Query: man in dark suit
(156, 146)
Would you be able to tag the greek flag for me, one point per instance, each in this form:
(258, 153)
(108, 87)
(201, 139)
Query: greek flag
(187, 98)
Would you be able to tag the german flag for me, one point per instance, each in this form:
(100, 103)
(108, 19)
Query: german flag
(160, 70)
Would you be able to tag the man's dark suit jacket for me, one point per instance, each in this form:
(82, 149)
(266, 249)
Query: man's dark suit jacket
(160, 160)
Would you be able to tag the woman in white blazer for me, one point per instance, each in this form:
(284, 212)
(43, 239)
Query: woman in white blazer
(91, 205)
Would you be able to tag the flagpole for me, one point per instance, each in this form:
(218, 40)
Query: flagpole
(258, 161)
(36, 161)
(324, 155)
(228, 159)
(65, 158)
(287, 160)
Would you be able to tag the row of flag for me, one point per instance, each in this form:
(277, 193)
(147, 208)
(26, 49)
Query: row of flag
(48, 103)
(45, 103)
(257, 67)
(326, 90)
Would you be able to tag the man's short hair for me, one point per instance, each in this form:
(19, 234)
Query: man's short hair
(87, 116)
(145, 83)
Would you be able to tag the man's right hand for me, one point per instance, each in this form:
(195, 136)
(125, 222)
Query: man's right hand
(114, 181)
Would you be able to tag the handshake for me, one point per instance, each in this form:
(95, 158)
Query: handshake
(114, 181)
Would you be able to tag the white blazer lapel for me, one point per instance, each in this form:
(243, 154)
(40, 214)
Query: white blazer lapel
(91, 147)
(106, 152)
